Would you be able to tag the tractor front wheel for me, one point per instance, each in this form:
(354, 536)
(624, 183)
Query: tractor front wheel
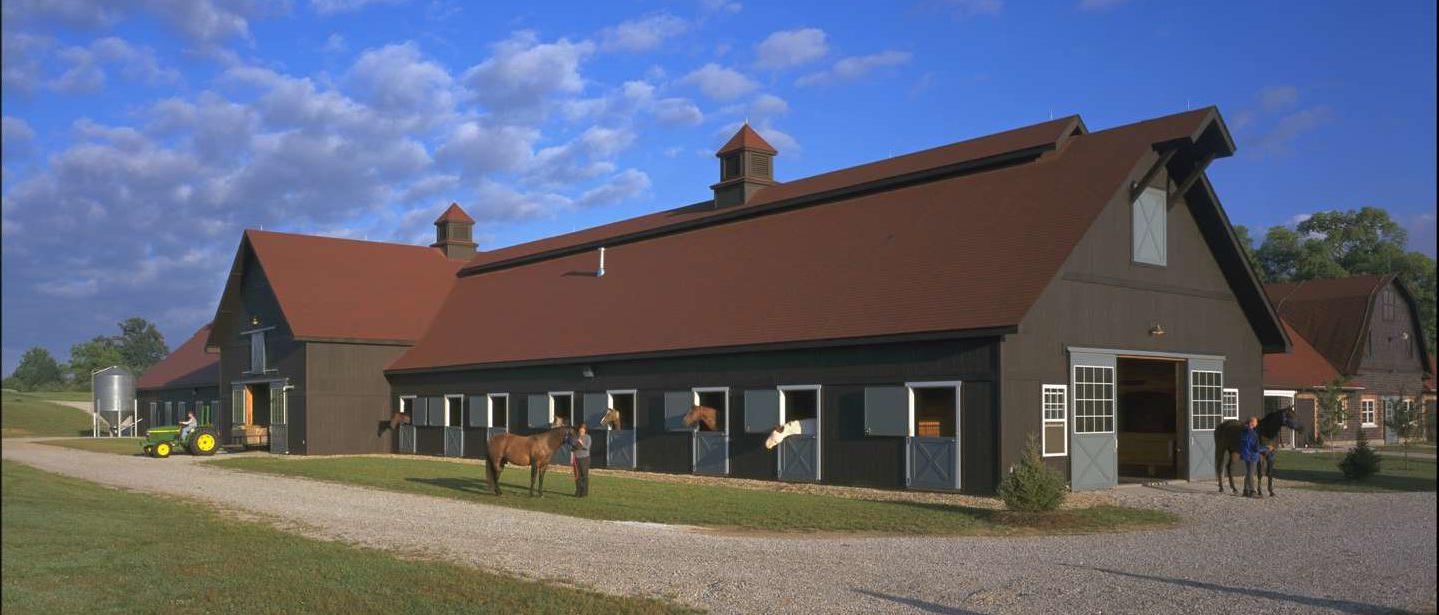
(204, 443)
(149, 450)
(162, 450)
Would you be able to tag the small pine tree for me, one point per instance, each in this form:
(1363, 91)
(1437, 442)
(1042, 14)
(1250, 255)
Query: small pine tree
(1360, 462)
(1032, 486)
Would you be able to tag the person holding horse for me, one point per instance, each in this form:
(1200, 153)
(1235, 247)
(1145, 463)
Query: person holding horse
(580, 457)
(1252, 453)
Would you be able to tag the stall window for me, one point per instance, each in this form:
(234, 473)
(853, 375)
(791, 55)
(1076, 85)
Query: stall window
(1231, 403)
(454, 411)
(499, 409)
(1206, 399)
(623, 402)
(1093, 399)
(1056, 419)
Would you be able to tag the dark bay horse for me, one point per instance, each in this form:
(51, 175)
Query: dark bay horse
(1226, 445)
(534, 451)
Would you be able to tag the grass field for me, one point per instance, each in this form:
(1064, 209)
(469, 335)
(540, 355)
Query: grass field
(62, 395)
(29, 414)
(1418, 447)
(114, 446)
(1321, 471)
(629, 499)
(72, 546)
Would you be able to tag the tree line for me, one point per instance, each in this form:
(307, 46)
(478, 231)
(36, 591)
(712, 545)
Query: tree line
(1336, 244)
(138, 346)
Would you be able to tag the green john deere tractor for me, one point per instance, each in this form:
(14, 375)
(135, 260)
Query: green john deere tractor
(161, 441)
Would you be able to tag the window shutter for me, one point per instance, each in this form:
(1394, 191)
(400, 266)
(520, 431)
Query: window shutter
(479, 411)
(418, 416)
(761, 410)
(886, 411)
(537, 409)
(677, 405)
(436, 410)
(594, 409)
(1150, 228)
(257, 352)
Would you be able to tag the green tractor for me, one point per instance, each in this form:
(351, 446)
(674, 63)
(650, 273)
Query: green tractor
(161, 441)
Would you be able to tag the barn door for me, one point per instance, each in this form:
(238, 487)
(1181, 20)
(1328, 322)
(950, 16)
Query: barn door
(799, 458)
(407, 439)
(1206, 410)
(620, 448)
(933, 463)
(1094, 446)
(279, 419)
(454, 441)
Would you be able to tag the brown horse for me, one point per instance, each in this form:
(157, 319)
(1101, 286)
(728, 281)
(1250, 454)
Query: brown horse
(704, 415)
(534, 451)
(611, 418)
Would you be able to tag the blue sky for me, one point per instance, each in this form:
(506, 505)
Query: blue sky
(141, 136)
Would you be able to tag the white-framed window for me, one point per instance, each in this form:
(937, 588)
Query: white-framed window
(169, 413)
(1230, 406)
(498, 407)
(407, 405)
(1368, 413)
(562, 404)
(1206, 400)
(1093, 399)
(454, 411)
(804, 402)
(624, 401)
(1054, 436)
(934, 408)
(717, 398)
(154, 413)
(1150, 226)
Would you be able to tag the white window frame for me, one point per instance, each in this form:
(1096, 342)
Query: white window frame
(1368, 413)
(957, 385)
(1045, 420)
(490, 409)
(818, 422)
(411, 412)
(695, 396)
(1196, 404)
(1075, 399)
(461, 398)
(635, 404)
(570, 420)
(1225, 407)
(1134, 222)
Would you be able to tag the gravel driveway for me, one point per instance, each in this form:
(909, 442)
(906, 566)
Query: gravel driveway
(1302, 552)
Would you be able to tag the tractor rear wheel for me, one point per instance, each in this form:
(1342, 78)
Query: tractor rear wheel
(162, 450)
(204, 443)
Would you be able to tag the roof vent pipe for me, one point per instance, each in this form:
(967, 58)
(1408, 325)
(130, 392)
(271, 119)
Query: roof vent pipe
(600, 273)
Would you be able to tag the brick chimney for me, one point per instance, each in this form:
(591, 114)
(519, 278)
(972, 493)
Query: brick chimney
(746, 166)
(454, 233)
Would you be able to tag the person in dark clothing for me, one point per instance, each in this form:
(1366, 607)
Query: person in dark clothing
(580, 456)
(1251, 452)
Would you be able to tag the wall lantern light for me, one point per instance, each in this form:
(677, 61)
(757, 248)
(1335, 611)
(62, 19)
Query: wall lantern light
(1156, 330)
(588, 372)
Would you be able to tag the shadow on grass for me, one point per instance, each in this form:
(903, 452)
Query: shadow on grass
(481, 487)
(1345, 606)
(1378, 482)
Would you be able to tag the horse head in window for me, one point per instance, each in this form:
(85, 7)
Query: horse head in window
(611, 420)
(704, 415)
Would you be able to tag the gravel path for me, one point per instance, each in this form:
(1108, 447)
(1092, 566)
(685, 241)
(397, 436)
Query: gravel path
(1305, 551)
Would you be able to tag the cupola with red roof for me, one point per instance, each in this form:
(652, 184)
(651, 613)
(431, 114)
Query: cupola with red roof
(454, 233)
(746, 166)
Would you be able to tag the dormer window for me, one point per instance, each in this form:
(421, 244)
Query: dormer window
(1151, 228)
(257, 352)
(1386, 301)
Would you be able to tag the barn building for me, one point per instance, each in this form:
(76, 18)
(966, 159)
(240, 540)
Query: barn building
(184, 381)
(924, 316)
(1362, 332)
(307, 325)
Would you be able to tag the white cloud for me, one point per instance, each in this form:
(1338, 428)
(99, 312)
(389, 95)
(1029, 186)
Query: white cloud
(20, 59)
(69, 289)
(678, 112)
(623, 186)
(855, 68)
(335, 43)
(332, 7)
(767, 106)
(1278, 97)
(961, 9)
(1291, 127)
(15, 137)
(524, 73)
(397, 79)
(721, 6)
(720, 83)
(478, 148)
(643, 34)
(87, 66)
(790, 48)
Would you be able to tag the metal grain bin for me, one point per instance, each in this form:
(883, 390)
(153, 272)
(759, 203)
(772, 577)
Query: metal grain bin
(114, 394)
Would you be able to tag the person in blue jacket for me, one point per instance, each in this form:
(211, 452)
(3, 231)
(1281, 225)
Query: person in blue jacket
(1250, 452)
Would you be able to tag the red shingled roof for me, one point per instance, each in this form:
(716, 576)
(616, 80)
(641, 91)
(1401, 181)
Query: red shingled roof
(747, 138)
(969, 251)
(1332, 314)
(343, 289)
(1029, 137)
(188, 366)
(1302, 367)
(454, 214)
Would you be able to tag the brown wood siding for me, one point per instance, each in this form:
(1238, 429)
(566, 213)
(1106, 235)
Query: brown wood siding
(849, 456)
(189, 395)
(348, 398)
(284, 355)
(1102, 299)
(1390, 364)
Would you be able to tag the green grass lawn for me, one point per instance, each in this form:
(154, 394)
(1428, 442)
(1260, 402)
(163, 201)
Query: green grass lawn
(1321, 471)
(27, 414)
(115, 446)
(71, 546)
(1417, 447)
(630, 499)
(63, 395)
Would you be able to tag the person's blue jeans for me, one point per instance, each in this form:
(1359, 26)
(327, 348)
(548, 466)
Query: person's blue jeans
(1251, 478)
(185, 433)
